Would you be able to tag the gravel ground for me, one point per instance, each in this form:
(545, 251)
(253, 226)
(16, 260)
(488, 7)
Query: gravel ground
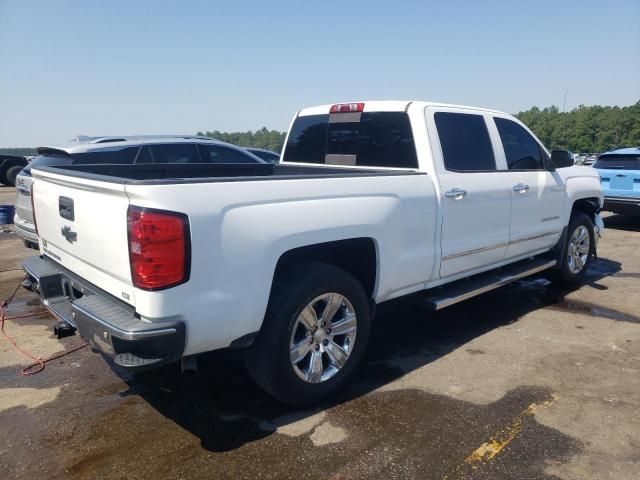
(528, 381)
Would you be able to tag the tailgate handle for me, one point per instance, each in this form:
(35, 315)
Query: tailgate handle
(65, 207)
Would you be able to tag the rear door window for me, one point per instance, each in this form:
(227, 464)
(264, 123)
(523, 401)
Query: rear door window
(222, 154)
(369, 139)
(465, 142)
(520, 148)
(618, 162)
(123, 155)
(175, 153)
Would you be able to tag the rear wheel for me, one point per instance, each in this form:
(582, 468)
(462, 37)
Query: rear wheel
(12, 174)
(314, 335)
(577, 251)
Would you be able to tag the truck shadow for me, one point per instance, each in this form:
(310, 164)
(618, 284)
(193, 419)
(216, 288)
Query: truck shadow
(630, 223)
(223, 408)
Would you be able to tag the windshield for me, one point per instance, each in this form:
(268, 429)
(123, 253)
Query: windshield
(618, 161)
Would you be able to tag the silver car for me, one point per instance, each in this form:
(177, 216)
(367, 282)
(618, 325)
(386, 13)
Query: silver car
(119, 150)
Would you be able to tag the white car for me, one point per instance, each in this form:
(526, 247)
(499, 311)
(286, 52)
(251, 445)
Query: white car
(372, 201)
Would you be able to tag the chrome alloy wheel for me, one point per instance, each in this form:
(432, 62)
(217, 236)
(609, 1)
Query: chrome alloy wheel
(578, 249)
(323, 337)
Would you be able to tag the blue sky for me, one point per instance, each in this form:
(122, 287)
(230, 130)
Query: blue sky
(143, 67)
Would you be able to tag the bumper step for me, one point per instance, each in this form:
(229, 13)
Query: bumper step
(478, 284)
(129, 360)
(109, 325)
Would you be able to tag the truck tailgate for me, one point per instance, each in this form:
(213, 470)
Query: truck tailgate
(82, 225)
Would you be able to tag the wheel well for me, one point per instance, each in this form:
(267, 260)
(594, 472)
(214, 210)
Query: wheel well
(587, 205)
(356, 255)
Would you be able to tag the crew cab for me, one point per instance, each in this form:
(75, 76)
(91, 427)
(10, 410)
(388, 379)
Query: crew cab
(371, 200)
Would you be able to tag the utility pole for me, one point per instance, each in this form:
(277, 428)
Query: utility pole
(564, 105)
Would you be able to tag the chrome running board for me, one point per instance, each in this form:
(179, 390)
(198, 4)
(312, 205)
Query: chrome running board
(466, 288)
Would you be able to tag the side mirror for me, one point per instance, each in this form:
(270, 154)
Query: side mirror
(561, 158)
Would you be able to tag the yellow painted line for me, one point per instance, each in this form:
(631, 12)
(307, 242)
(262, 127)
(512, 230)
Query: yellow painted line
(489, 449)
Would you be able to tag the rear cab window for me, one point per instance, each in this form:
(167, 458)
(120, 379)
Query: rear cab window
(363, 139)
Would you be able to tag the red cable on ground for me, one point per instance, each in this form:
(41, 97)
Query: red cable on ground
(38, 362)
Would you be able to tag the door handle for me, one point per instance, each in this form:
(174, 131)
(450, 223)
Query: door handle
(520, 188)
(456, 194)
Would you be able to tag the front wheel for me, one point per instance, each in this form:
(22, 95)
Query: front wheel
(314, 335)
(578, 250)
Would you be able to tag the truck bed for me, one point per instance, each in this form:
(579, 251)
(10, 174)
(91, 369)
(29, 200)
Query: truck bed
(147, 174)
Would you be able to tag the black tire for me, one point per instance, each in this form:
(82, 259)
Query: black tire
(268, 359)
(564, 274)
(12, 173)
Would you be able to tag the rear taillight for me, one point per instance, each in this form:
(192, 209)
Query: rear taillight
(33, 210)
(347, 108)
(158, 248)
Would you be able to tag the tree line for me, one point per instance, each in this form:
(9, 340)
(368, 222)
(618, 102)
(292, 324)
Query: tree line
(591, 129)
(264, 138)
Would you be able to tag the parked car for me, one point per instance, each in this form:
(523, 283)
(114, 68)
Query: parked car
(10, 166)
(590, 159)
(119, 150)
(578, 159)
(266, 155)
(620, 176)
(371, 201)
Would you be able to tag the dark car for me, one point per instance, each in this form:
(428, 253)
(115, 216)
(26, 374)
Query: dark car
(10, 166)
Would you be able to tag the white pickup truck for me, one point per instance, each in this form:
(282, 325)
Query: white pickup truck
(156, 263)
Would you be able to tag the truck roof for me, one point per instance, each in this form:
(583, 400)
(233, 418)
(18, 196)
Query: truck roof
(388, 106)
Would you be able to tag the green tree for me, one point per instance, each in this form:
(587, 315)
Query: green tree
(263, 138)
(585, 129)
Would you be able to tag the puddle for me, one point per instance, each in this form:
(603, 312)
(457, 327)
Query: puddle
(28, 397)
(401, 434)
(578, 306)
